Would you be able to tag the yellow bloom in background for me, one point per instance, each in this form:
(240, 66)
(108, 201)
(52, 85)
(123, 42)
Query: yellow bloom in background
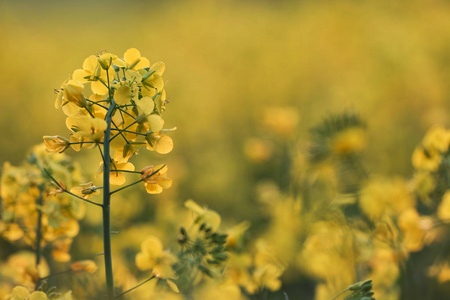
(437, 138)
(443, 211)
(20, 268)
(219, 291)
(153, 257)
(383, 196)
(155, 179)
(410, 223)
(88, 266)
(281, 120)
(61, 249)
(258, 150)
(349, 141)
(21, 293)
(210, 218)
(426, 159)
(56, 143)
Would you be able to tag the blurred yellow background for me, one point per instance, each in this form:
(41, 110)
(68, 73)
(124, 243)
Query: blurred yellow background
(227, 62)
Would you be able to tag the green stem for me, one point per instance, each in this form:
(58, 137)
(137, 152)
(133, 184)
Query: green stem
(107, 201)
(126, 171)
(120, 295)
(39, 204)
(122, 130)
(339, 294)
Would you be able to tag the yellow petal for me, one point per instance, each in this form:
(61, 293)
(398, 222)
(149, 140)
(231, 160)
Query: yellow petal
(19, 292)
(98, 88)
(90, 64)
(165, 183)
(123, 95)
(153, 188)
(38, 296)
(158, 67)
(117, 178)
(145, 105)
(131, 56)
(80, 74)
(143, 262)
(152, 246)
(143, 63)
(156, 122)
(164, 145)
(61, 256)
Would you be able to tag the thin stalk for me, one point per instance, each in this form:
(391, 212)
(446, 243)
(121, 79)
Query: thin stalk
(39, 204)
(147, 280)
(127, 171)
(107, 201)
(122, 130)
(129, 131)
(63, 189)
(136, 182)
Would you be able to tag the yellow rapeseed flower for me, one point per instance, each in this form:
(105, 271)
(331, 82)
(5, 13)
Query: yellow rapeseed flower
(153, 257)
(92, 71)
(210, 218)
(155, 179)
(56, 143)
(410, 223)
(90, 128)
(134, 60)
(426, 159)
(349, 141)
(443, 211)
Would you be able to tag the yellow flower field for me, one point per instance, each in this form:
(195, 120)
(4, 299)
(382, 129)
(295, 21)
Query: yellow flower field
(254, 149)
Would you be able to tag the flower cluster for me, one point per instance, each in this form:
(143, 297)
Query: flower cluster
(130, 91)
(27, 193)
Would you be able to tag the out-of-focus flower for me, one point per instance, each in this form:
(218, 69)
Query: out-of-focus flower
(426, 159)
(443, 211)
(21, 293)
(205, 216)
(88, 266)
(410, 223)
(153, 257)
(61, 249)
(281, 120)
(385, 197)
(155, 179)
(349, 141)
(258, 150)
(437, 138)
